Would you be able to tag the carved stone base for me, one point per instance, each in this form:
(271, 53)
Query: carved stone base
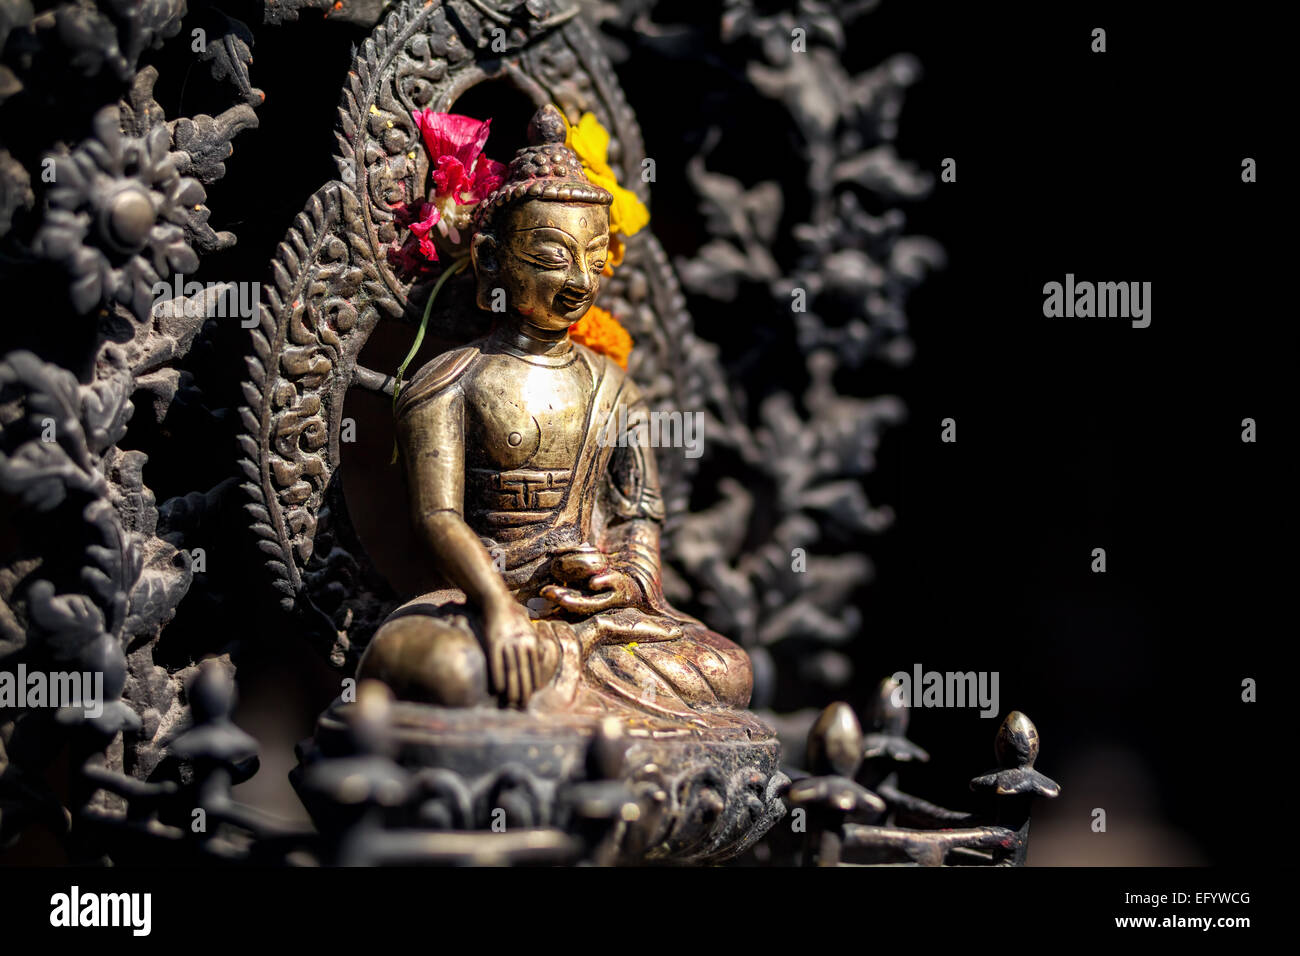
(672, 793)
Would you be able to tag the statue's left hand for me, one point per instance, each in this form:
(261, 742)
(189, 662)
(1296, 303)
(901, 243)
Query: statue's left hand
(610, 590)
(593, 583)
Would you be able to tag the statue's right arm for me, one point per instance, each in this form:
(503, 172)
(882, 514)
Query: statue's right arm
(431, 433)
(432, 438)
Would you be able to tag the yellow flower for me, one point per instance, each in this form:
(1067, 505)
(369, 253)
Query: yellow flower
(601, 332)
(615, 255)
(590, 141)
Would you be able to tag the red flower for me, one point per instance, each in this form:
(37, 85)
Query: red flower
(462, 176)
(488, 175)
(429, 217)
(455, 144)
(417, 252)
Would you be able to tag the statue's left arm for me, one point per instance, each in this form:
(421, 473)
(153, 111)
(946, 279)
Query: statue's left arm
(635, 507)
(624, 572)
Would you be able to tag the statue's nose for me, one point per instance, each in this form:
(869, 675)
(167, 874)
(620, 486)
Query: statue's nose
(580, 279)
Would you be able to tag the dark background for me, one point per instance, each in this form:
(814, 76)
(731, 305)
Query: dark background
(1075, 434)
(1080, 433)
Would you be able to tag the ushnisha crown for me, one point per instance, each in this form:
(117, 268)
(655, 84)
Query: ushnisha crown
(546, 169)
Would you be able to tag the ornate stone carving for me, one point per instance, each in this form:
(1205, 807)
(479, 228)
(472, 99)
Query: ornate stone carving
(100, 569)
(333, 282)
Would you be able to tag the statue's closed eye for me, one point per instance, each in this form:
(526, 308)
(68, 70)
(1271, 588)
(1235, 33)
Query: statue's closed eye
(549, 256)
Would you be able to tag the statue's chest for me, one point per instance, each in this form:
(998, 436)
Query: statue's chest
(526, 416)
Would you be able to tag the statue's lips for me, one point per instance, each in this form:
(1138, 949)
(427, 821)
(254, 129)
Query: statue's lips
(574, 303)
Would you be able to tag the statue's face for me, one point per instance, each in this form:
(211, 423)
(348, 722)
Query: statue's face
(547, 256)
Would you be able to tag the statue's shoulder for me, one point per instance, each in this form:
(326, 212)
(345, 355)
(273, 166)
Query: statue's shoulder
(605, 370)
(436, 376)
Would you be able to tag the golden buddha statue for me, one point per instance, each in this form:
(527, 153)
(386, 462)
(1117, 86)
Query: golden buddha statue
(545, 533)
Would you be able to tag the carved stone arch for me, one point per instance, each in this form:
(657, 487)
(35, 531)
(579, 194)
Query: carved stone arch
(332, 284)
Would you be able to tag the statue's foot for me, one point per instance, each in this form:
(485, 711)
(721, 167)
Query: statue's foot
(699, 670)
(429, 660)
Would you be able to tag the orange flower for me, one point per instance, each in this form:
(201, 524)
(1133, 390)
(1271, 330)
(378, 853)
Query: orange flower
(601, 332)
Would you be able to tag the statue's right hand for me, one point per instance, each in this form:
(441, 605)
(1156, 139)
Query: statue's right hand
(513, 652)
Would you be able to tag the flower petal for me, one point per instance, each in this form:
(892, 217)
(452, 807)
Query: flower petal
(628, 211)
(429, 216)
(449, 134)
(450, 177)
(627, 214)
(601, 332)
(590, 141)
(615, 255)
(488, 175)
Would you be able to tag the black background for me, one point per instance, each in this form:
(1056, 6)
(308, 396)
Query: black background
(1081, 433)
(1075, 434)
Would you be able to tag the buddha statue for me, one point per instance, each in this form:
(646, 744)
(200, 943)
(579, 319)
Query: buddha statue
(544, 532)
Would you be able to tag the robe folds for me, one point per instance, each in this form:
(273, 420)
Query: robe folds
(609, 500)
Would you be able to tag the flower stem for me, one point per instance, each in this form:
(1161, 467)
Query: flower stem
(451, 270)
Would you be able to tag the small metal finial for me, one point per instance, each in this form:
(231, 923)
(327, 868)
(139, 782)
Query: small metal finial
(546, 127)
(608, 749)
(1017, 742)
(212, 693)
(214, 735)
(835, 742)
(889, 721)
(889, 713)
(1017, 749)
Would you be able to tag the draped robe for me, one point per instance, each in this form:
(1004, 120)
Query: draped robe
(525, 515)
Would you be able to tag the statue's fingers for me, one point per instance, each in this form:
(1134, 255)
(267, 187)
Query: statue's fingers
(609, 581)
(512, 675)
(537, 667)
(567, 598)
(525, 657)
(522, 683)
(587, 604)
(577, 566)
(558, 595)
(584, 558)
(498, 669)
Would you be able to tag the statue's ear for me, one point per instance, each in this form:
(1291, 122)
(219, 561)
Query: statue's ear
(483, 253)
(485, 258)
